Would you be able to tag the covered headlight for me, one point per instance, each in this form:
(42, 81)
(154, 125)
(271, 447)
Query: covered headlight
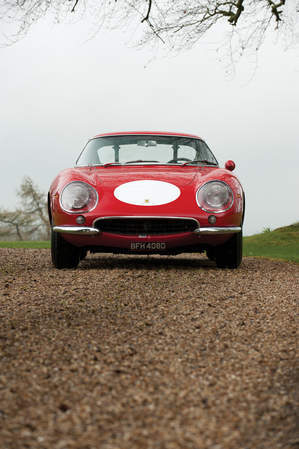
(215, 196)
(78, 197)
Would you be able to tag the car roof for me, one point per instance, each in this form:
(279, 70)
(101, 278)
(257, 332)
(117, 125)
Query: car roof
(147, 133)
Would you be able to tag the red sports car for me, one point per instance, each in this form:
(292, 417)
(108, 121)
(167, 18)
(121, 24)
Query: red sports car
(145, 193)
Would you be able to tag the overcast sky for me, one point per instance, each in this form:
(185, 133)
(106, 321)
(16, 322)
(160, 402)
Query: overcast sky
(56, 93)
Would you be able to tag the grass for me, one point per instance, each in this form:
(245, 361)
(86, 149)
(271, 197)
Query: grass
(281, 244)
(24, 244)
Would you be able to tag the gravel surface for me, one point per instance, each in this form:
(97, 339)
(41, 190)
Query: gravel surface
(134, 352)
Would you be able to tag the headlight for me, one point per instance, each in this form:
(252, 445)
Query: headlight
(78, 197)
(215, 196)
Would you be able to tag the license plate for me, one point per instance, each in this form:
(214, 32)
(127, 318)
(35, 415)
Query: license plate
(148, 246)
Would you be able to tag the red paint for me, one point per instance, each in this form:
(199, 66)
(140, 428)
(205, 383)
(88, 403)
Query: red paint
(230, 165)
(187, 177)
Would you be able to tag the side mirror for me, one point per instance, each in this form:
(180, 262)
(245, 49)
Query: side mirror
(230, 165)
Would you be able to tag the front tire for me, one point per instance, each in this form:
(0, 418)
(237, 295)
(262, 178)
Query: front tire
(229, 254)
(64, 255)
(210, 254)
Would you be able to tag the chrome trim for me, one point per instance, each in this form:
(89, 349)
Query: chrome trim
(122, 164)
(78, 211)
(211, 211)
(76, 230)
(145, 217)
(217, 230)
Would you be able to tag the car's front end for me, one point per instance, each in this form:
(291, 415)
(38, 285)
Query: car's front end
(146, 193)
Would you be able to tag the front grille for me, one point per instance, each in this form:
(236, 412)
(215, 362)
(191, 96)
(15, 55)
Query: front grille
(146, 226)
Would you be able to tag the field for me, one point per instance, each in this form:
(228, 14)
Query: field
(24, 244)
(279, 244)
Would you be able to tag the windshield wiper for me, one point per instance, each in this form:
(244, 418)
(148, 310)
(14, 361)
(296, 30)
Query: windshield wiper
(204, 161)
(107, 164)
(138, 160)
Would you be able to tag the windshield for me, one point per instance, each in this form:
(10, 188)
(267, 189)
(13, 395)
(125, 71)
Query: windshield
(140, 149)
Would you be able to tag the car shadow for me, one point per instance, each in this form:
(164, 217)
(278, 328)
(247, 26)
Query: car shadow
(144, 262)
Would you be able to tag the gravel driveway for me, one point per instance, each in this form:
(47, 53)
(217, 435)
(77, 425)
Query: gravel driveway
(141, 353)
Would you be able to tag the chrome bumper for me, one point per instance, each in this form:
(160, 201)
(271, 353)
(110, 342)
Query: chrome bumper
(215, 230)
(80, 230)
(76, 230)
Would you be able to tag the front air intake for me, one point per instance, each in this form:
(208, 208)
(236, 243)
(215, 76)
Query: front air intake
(146, 226)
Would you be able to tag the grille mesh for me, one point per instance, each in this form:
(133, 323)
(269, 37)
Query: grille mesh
(146, 226)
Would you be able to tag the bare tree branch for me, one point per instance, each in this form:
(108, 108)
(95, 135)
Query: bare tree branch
(30, 219)
(179, 24)
(235, 16)
(15, 223)
(148, 11)
(274, 9)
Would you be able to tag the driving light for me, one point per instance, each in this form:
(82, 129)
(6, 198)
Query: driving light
(212, 219)
(77, 197)
(80, 220)
(215, 196)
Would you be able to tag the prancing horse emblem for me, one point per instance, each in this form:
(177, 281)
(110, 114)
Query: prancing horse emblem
(146, 201)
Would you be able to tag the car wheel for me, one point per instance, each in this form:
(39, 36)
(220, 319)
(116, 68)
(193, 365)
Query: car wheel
(64, 255)
(229, 254)
(210, 254)
(83, 254)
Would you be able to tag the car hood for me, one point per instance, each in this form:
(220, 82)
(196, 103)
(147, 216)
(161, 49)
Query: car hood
(115, 176)
(143, 186)
(178, 176)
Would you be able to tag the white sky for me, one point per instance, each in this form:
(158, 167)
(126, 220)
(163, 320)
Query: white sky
(56, 93)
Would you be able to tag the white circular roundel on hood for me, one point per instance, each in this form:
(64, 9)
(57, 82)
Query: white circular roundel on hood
(147, 193)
